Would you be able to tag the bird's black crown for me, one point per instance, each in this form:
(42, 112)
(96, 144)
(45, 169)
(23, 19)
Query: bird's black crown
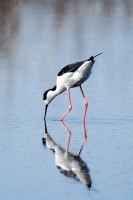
(45, 93)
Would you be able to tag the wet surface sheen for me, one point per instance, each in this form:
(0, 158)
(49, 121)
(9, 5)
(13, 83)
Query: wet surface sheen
(37, 39)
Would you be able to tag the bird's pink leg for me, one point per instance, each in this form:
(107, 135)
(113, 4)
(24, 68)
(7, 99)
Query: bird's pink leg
(85, 104)
(70, 106)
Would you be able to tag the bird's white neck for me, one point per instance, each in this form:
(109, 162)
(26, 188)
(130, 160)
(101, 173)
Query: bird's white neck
(57, 91)
(53, 93)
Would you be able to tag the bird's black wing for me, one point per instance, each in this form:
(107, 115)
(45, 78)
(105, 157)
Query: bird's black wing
(73, 67)
(70, 68)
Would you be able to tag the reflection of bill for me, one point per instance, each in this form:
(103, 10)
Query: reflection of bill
(69, 164)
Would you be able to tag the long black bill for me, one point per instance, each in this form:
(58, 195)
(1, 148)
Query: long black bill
(46, 107)
(46, 131)
(98, 54)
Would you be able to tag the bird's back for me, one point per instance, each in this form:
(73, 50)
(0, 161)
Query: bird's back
(74, 75)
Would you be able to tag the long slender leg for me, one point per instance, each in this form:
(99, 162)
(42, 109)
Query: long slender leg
(70, 106)
(85, 103)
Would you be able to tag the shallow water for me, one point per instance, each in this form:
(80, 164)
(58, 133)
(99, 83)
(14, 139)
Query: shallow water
(37, 39)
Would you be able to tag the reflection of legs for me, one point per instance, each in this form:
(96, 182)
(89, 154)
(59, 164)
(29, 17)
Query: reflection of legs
(85, 103)
(69, 136)
(70, 106)
(84, 140)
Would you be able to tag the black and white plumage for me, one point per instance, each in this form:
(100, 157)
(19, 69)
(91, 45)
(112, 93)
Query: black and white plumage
(70, 76)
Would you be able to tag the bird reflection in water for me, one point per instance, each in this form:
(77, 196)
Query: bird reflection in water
(69, 164)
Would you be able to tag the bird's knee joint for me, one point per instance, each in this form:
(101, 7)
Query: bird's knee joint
(86, 104)
(70, 108)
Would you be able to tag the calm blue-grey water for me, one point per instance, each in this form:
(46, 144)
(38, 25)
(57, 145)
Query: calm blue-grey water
(37, 39)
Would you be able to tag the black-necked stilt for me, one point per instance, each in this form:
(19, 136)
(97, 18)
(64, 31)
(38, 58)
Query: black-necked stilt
(70, 76)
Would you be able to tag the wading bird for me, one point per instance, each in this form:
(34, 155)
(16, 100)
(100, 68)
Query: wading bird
(72, 75)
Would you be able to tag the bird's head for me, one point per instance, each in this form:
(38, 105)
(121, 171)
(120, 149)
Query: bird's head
(48, 96)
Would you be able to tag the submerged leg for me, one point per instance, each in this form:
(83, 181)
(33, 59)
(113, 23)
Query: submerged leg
(69, 136)
(70, 106)
(84, 140)
(85, 103)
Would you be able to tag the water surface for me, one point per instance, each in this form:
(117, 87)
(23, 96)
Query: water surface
(37, 39)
